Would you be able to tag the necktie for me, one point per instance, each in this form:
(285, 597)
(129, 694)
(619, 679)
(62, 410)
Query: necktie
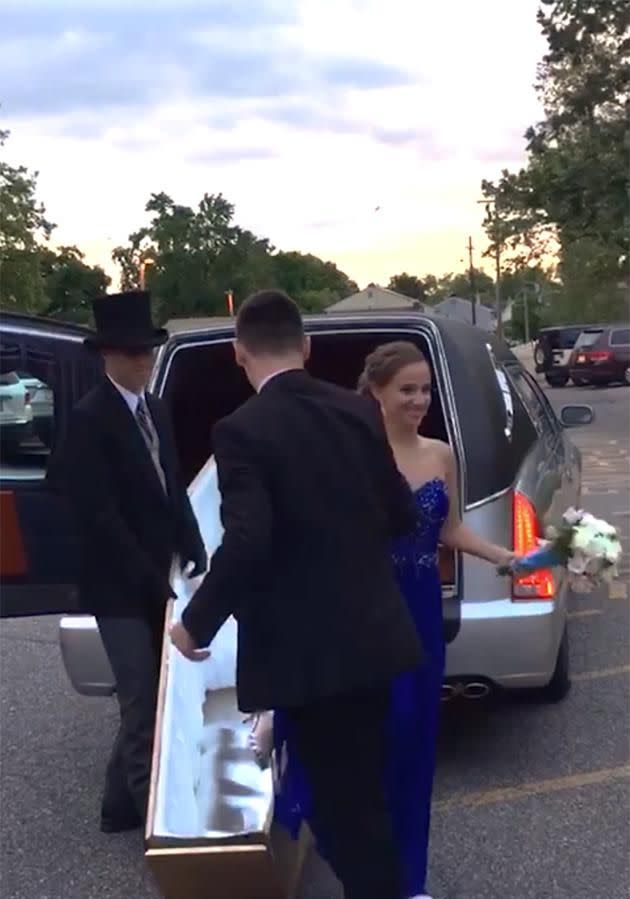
(146, 425)
(149, 433)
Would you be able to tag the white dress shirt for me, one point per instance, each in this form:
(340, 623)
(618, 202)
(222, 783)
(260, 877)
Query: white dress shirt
(274, 374)
(129, 396)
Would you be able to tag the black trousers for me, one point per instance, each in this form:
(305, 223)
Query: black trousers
(133, 647)
(341, 745)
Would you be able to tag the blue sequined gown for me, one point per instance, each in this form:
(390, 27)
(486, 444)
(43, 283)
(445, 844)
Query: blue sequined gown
(414, 717)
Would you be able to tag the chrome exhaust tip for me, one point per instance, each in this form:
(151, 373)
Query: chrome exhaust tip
(476, 690)
(449, 691)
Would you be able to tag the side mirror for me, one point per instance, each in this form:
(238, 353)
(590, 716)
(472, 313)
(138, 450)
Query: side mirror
(575, 416)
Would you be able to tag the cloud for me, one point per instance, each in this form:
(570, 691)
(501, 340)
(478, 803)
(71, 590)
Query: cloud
(230, 155)
(138, 21)
(71, 60)
(305, 115)
(363, 73)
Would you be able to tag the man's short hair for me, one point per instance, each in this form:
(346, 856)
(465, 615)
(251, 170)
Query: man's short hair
(269, 323)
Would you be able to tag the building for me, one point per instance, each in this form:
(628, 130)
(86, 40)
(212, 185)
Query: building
(461, 309)
(376, 298)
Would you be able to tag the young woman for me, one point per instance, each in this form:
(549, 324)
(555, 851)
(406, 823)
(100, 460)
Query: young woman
(398, 377)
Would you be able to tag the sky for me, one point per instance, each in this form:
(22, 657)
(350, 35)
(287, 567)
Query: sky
(358, 130)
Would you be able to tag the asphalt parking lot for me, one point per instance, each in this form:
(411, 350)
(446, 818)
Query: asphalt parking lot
(532, 801)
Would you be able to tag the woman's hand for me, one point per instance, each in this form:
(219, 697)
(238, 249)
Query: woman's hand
(505, 558)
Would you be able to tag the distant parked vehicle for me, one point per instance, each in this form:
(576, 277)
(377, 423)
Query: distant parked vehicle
(42, 404)
(553, 352)
(16, 414)
(601, 355)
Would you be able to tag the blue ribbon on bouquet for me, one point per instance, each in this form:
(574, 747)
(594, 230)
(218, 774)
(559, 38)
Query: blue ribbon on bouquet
(542, 557)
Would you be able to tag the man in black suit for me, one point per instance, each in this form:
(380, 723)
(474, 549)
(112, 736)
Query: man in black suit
(119, 469)
(311, 497)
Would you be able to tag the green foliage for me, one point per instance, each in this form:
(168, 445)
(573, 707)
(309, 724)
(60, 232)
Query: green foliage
(458, 284)
(192, 258)
(34, 278)
(408, 285)
(572, 196)
(70, 285)
(23, 225)
(309, 280)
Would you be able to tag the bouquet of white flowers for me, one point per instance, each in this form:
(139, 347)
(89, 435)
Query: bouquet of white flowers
(587, 547)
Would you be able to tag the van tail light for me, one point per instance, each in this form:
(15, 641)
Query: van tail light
(539, 584)
(599, 356)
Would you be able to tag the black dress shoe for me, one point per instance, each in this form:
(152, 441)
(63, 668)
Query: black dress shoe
(120, 823)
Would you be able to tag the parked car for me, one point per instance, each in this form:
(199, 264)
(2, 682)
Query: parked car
(16, 414)
(553, 352)
(41, 400)
(518, 473)
(601, 355)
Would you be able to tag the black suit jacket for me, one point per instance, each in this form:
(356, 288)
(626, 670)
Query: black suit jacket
(129, 528)
(311, 497)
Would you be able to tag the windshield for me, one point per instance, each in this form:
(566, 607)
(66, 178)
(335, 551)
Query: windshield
(588, 338)
(561, 339)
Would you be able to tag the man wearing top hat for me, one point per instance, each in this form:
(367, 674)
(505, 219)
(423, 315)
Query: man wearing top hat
(119, 469)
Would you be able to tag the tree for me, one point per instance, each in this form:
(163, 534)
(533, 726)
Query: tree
(458, 284)
(303, 276)
(407, 285)
(70, 284)
(23, 226)
(198, 255)
(188, 249)
(587, 294)
(571, 196)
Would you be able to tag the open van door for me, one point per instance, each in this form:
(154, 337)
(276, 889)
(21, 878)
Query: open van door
(44, 370)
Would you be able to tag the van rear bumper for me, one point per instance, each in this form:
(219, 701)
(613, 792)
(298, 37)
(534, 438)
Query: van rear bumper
(509, 644)
(84, 656)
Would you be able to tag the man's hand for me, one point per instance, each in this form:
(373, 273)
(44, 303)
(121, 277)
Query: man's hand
(182, 640)
(195, 567)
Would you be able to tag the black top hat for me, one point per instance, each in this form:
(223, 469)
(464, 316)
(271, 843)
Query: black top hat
(123, 321)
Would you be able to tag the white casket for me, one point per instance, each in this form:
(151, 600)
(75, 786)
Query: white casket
(209, 823)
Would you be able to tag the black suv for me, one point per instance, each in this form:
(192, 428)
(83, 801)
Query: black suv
(553, 352)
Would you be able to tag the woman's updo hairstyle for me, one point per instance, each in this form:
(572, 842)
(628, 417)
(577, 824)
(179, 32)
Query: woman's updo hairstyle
(385, 362)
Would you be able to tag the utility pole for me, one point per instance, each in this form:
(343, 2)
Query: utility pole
(471, 275)
(497, 259)
(497, 289)
(526, 313)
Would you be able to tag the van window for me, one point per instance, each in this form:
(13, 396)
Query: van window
(567, 338)
(560, 338)
(527, 393)
(620, 337)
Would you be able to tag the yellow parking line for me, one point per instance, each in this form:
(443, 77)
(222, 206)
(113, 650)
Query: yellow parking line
(535, 788)
(618, 590)
(602, 672)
